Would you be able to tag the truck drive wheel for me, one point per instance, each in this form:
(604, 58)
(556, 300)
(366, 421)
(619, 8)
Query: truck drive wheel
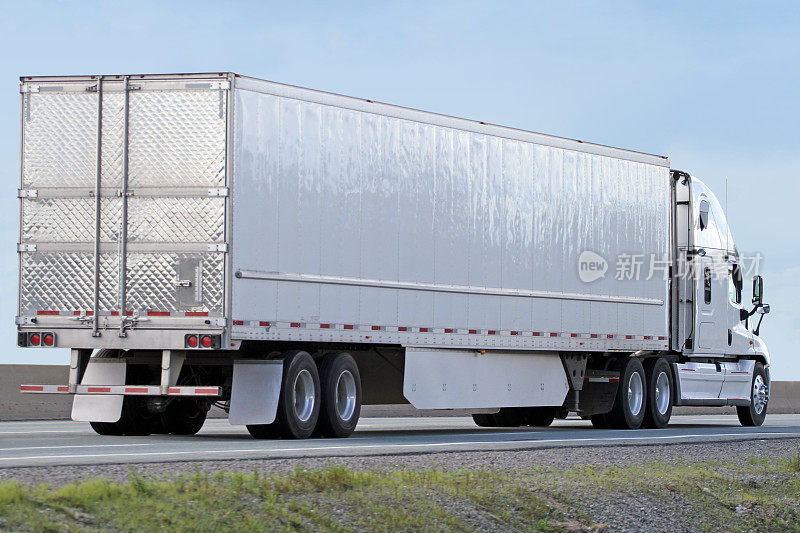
(658, 407)
(298, 403)
(629, 404)
(341, 395)
(135, 420)
(755, 413)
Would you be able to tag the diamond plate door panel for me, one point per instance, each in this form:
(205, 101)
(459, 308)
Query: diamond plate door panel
(178, 220)
(69, 220)
(64, 281)
(152, 281)
(177, 139)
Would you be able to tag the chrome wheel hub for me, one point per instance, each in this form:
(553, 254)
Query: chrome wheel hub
(304, 395)
(346, 395)
(760, 395)
(662, 393)
(635, 393)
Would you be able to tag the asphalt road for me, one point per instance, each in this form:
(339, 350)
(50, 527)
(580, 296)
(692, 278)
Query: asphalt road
(74, 443)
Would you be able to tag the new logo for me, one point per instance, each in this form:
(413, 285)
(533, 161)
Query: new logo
(591, 266)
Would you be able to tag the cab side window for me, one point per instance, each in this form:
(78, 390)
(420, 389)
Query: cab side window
(735, 283)
(703, 218)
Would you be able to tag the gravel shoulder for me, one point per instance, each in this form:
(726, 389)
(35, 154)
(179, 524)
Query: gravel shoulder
(747, 485)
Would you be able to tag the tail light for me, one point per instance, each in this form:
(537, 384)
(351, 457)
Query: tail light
(197, 340)
(46, 339)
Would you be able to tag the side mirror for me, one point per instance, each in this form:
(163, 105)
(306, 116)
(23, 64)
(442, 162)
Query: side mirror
(763, 309)
(758, 290)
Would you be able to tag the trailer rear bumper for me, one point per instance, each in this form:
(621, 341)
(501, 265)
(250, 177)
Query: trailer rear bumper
(123, 390)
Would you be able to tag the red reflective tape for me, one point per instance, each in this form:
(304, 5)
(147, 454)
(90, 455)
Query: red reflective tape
(536, 334)
(263, 323)
(739, 372)
(215, 390)
(113, 313)
(573, 335)
(473, 331)
(324, 326)
(687, 369)
(593, 335)
(647, 337)
(662, 338)
(447, 330)
(554, 334)
(295, 324)
(47, 312)
(628, 336)
(348, 326)
(376, 328)
(136, 390)
(238, 322)
(402, 328)
(63, 388)
(32, 388)
(196, 313)
(99, 389)
(173, 390)
(158, 313)
(609, 336)
(613, 380)
(491, 332)
(423, 330)
(77, 313)
(514, 332)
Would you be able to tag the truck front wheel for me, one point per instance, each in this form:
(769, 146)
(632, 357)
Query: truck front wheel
(755, 413)
(629, 403)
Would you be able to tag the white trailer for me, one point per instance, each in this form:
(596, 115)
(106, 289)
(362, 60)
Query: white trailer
(290, 254)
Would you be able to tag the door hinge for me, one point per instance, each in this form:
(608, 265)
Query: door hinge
(91, 89)
(127, 194)
(25, 247)
(223, 247)
(182, 283)
(222, 191)
(28, 88)
(27, 193)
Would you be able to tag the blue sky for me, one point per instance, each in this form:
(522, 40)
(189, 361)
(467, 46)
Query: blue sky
(713, 85)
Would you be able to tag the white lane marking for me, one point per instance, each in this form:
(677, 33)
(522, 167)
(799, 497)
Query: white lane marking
(77, 446)
(42, 431)
(386, 446)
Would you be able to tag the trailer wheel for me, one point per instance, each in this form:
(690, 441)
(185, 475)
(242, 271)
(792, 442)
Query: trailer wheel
(184, 416)
(629, 403)
(106, 428)
(298, 403)
(660, 387)
(540, 416)
(484, 420)
(755, 413)
(341, 395)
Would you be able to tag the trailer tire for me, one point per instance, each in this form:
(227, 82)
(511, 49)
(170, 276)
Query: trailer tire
(540, 416)
(660, 389)
(755, 413)
(184, 416)
(341, 395)
(106, 428)
(298, 402)
(484, 420)
(629, 403)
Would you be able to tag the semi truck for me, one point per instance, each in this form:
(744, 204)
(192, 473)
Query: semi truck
(289, 255)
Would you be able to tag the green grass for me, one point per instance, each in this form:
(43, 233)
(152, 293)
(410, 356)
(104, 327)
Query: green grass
(753, 494)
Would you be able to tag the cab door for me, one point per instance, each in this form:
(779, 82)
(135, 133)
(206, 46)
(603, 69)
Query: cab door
(710, 280)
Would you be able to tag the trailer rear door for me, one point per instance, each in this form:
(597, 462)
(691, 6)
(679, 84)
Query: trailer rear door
(123, 199)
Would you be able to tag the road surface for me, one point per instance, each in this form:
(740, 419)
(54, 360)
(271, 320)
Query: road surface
(47, 443)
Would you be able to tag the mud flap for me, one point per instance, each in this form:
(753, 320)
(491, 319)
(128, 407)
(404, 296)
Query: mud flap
(256, 389)
(100, 407)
